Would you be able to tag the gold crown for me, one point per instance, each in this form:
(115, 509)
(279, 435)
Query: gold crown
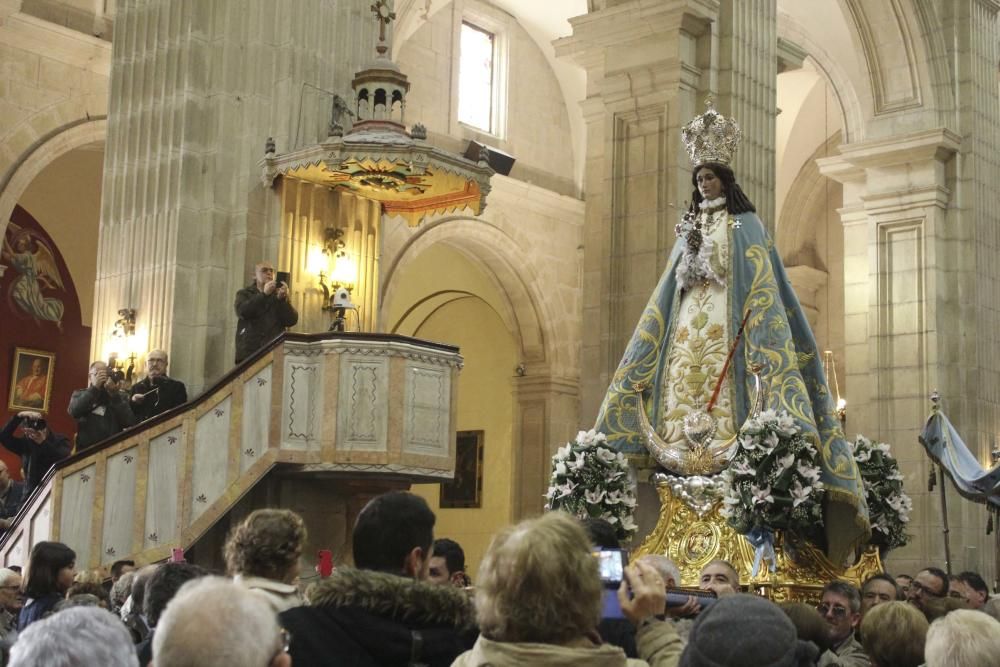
(711, 137)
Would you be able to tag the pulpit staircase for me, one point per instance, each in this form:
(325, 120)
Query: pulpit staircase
(361, 412)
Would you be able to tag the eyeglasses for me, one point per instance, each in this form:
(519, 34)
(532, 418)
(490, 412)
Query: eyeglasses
(838, 611)
(920, 589)
(15, 587)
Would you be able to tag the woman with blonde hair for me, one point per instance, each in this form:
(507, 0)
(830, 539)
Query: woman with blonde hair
(893, 635)
(538, 602)
(262, 553)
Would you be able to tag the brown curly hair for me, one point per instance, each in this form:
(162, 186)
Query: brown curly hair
(268, 544)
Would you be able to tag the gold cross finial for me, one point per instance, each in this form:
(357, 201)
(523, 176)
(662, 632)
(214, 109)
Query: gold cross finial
(383, 15)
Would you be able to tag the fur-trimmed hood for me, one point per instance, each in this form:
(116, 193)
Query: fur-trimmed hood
(361, 618)
(395, 597)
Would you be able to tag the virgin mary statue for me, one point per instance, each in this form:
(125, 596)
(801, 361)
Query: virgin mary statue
(725, 296)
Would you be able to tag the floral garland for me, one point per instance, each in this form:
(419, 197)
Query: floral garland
(773, 482)
(590, 480)
(889, 506)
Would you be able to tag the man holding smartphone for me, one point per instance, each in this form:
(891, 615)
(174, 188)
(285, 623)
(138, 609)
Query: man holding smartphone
(264, 311)
(38, 447)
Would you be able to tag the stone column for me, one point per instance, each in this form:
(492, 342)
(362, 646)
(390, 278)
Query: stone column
(196, 89)
(748, 71)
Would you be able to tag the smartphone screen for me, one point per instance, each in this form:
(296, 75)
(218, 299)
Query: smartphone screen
(611, 563)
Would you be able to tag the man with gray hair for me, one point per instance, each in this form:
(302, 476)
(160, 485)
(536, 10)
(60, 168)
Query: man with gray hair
(10, 602)
(76, 636)
(840, 607)
(156, 393)
(213, 622)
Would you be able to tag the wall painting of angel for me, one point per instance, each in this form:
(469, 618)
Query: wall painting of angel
(31, 380)
(37, 275)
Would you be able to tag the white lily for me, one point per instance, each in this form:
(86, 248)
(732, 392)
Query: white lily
(800, 493)
(786, 462)
(761, 495)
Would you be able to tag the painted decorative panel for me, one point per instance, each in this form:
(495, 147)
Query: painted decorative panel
(78, 494)
(163, 498)
(17, 554)
(303, 394)
(427, 402)
(256, 417)
(362, 416)
(119, 497)
(211, 456)
(41, 521)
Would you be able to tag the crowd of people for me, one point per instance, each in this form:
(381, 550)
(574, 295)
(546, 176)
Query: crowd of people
(539, 599)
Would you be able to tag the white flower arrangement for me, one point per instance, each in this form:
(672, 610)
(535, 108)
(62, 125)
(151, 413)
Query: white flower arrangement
(773, 482)
(889, 506)
(590, 480)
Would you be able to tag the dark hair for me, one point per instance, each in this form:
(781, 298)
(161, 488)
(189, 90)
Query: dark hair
(452, 553)
(118, 565)
(809, 625)
(736, 199)
(268, 544)
(940, 574)
(882, 576)
(90, 588)
(975, 581)
(142, 576)
(903, 576)
(388, 528)
(47, 558)
(601, 533)
(846, 590)
(163, 585)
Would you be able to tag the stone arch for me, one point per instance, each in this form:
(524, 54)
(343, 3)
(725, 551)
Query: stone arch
(851, 111)
(498, 254)
(38, 155)
(803, 198)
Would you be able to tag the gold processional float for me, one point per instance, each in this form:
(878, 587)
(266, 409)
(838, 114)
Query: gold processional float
(692, 532)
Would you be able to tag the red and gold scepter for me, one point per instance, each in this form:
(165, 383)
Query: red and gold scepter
(725, 367)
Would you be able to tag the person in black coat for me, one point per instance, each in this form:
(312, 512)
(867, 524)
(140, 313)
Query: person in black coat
(156, 393)
(384, 612)
(38, 447)
(101, 410)
(11, 497)
(263, 310)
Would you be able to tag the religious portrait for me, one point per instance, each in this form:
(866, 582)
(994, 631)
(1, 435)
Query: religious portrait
(31, 380)
(466, 490)
(37, 279)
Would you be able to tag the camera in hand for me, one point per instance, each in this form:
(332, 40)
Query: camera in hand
(35, 424)
(116, 375)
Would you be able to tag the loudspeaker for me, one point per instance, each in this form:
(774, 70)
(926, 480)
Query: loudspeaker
(499, 161)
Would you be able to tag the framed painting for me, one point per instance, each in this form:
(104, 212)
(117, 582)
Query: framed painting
(466, 490)
(31, 380)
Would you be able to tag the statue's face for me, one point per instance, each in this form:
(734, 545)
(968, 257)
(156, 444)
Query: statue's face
(709, 185)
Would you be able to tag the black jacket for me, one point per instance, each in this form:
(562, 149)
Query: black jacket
(99, 415)
(35, 459)
(261, 318)
(361, 618)
(168, 394)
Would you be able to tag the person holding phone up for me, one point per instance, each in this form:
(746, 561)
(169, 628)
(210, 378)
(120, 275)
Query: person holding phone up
(264, 311)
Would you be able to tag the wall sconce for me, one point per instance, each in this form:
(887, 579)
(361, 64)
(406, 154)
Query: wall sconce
(333, 252)
(123, 345)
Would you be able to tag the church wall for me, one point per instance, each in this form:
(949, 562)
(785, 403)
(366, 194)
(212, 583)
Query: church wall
(53, 80)
(537, 127)
(66, 200)
(466, 316)
(69, 340)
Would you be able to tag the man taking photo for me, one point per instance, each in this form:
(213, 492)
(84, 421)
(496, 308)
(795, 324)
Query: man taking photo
(38, 447)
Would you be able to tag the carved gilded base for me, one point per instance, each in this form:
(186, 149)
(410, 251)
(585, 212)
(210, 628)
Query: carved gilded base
(692, 540)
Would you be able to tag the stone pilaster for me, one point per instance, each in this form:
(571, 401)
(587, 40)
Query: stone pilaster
(647, 66)
(545, 418)
(196, 89)
(747, 71)
(914, 314)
